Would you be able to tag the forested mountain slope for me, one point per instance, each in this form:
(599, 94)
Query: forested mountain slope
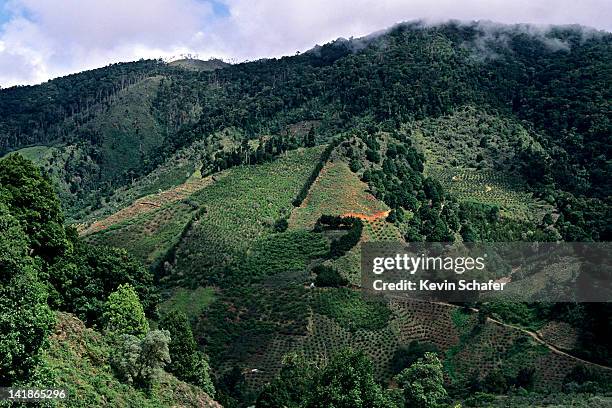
(239, 197)
(556, 80)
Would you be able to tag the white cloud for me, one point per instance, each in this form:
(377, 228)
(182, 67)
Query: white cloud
(48, 38)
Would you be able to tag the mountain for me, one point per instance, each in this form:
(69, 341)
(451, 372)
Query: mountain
(238, 186)
(199, 65)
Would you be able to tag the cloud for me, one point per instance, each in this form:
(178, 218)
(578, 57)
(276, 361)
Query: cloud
(41, 39)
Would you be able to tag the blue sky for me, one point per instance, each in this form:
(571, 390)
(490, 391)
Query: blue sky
(43, 39)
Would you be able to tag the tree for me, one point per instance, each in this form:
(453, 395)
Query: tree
(347, 382)
(31, 199)
(291, 385)
(188, 363)
(281, 225)
(328, 277)
(25, 318)
(310, 138)
(140, 360)
(423, 383)
(85, 278)
(124, 313)
(405, 356)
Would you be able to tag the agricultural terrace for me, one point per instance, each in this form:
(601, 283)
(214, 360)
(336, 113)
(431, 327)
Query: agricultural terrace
(242, 207)
(337, 191)
(152, 202)
(148, 235)
(491, 187)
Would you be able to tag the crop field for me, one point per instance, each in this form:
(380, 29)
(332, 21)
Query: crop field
(240, 208)
(337, 191)
(147, 236)
(328, 336)
(469, 138)
(490, 187)
(350, 309)
(289, 251)
(242, 321)
(349, 265)
(151, 203)
(468, 347)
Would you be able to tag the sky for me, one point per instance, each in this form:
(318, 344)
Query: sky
(43, 39)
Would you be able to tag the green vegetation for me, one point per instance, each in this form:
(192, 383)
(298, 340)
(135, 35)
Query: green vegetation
(284, 252)
(123, 313)
(83, 280)
(423, 382)
(149, 236)
(405, 356)
(239, 209)
(238, 186)
(337, 192)
(191, 302)
(188, 363)
(51, 267)
(78, 359)
(351, 310)
(328, 277)
(140, 360)
(25, 318)
(346, 381)
(493, 188)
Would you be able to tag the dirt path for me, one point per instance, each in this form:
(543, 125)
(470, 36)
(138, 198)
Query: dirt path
(540, 340)
(533, 335)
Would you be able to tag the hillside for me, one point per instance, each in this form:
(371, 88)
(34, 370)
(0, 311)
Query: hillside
(254, 315)
(77, 358)
(499, 68)
(230, 204)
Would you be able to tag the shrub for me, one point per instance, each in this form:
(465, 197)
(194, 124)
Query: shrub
(404, 356)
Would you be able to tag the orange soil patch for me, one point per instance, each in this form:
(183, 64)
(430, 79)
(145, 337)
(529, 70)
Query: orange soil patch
(376, 216)
(149, 204)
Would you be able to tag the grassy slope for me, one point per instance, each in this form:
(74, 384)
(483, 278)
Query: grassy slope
(79, 359)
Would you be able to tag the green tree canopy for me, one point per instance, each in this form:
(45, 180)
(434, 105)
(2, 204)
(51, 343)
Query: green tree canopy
(32, 200)
(124, 313)
(347, 382)
(423, 383)
(188, 363)
(140, 360)
(291, 385)
(25, 318)
(85, 278)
